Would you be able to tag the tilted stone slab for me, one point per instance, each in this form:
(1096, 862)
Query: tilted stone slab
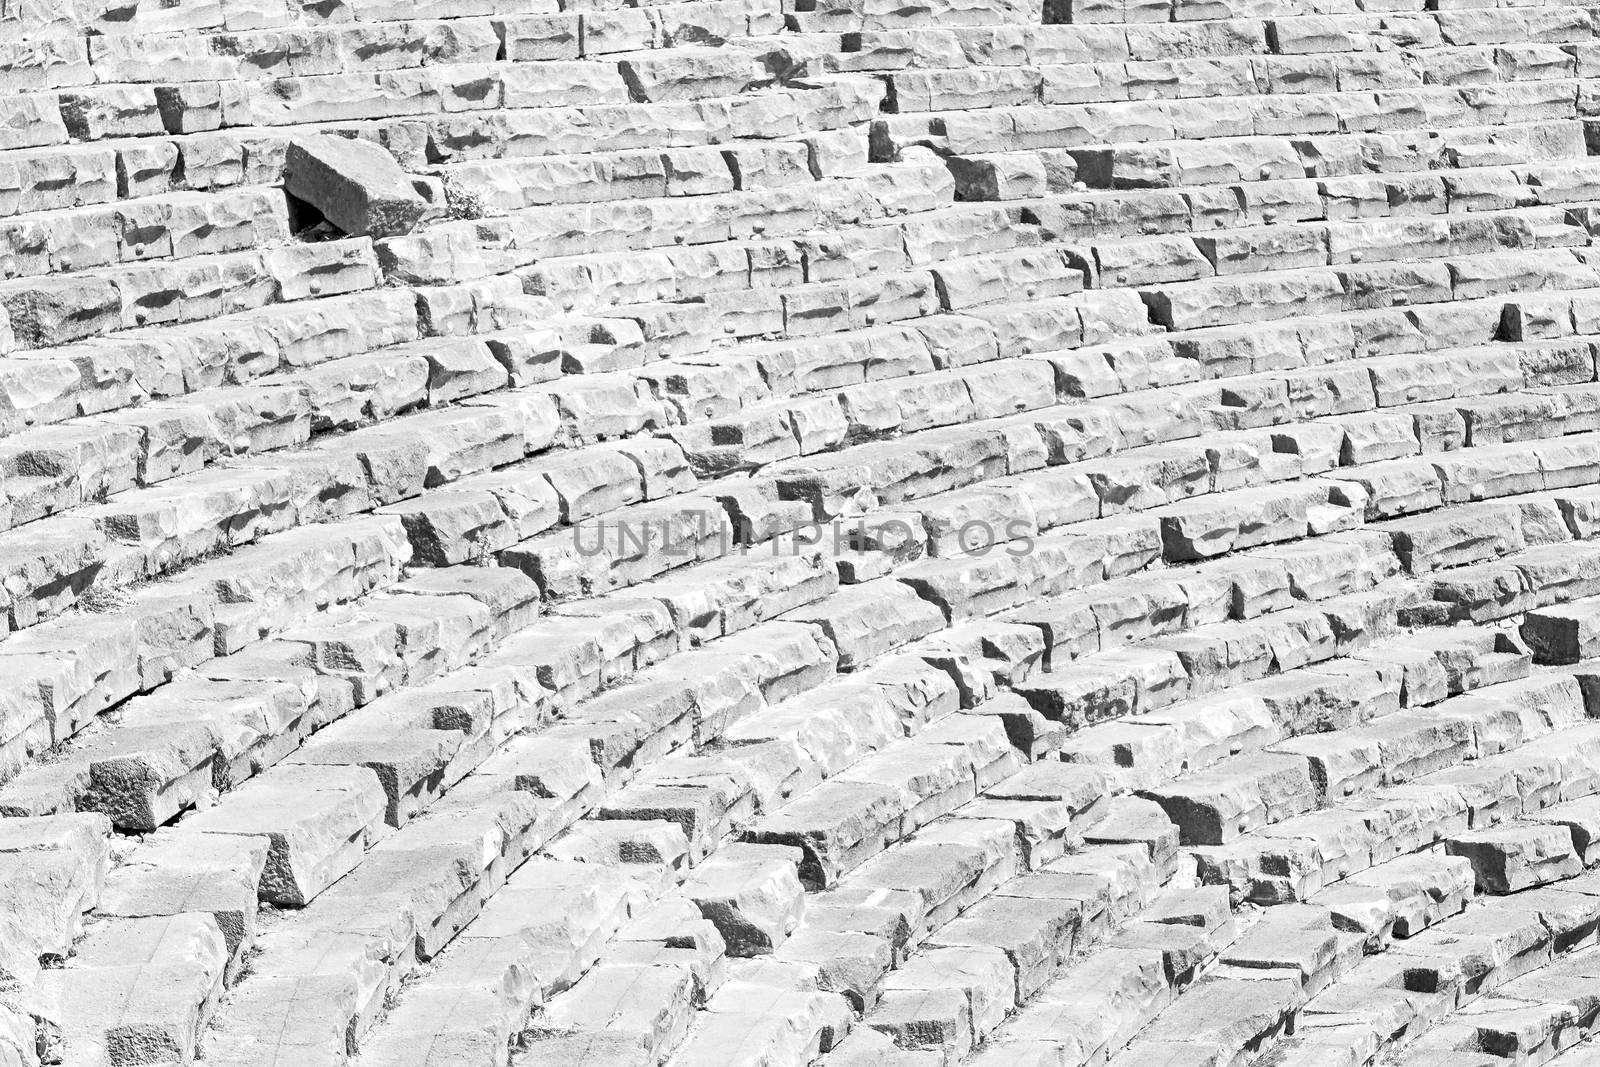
(355, 184)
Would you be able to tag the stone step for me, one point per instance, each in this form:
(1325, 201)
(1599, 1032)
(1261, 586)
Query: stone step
(139, 986)
(1259, 338)
(54, 869)
(558, 1028)
(461, 835)
(213, 730)
(73, 668)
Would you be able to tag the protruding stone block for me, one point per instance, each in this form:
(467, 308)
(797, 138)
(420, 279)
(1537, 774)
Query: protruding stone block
(355, 184)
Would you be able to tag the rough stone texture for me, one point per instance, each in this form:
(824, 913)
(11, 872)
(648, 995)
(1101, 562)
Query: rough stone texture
(356, 185)
(838, 533)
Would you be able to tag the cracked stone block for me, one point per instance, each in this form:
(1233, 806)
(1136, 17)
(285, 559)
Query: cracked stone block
(1217, 806)
(1565, 634)
(1036, 935)
(1222, 1014)
(1100, 1003)
(850, 963)
(317, 821)
(652, 1005)
(1581, 817)
(178, 872)
(355, 184)
(141, 987)
(53, 869)
(770, 1024)
(1506, 859)
(1403, 896)
(1301, 939)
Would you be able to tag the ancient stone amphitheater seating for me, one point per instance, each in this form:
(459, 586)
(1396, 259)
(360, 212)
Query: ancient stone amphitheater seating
(799, 531)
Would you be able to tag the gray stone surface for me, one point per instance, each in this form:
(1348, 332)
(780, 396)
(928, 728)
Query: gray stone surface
(830, 533)
(356, 185)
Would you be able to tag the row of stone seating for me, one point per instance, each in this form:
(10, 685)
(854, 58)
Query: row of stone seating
(853, 14)
(1139, 131)
(1291, 246)
(917, 1018)
(1041, 849)
(451, 381)
(174, 226)
(1223, 1013)
(1290, 35)
(922, 1024)
(820, 109)
(1061, 336)
(52, 563)
(926, 66)
(333, 48)
(1465, 22)
(103, 300)
(321, 49)
(463, 833)
(1088, 216)
(445, 731)
(1184, 1024)
(551, 749)
(639, 73)
(714, 274)
(631, 474)
(46, 179)
(1047, 496)
(51, 23)
(1386, 100)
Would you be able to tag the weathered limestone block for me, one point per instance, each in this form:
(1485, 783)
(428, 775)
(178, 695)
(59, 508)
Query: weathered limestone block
(189, 737)
(946, 999)
(141, 987)
(53, 869)
(777, 1022)
(1219, 1017)
(1298, 938)
(1457, 537)
(1217, 806)
(838, 824)
(1037, 934)
(1508, 858)
(317, 821)
(689, 73)
(866, 621)
(177, 872)
(1580, 818)
(328, 268)
(1000, 176)
(409, 761)
(1403, 896)
(1214, 525)
(355, 184)
(753, 895)
(1100, 1003)
(49, 311)
(651, 1005)
(549, 769)
(1563, 634)
(1480, 951)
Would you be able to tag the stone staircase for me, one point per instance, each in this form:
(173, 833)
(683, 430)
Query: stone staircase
(821, 532)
